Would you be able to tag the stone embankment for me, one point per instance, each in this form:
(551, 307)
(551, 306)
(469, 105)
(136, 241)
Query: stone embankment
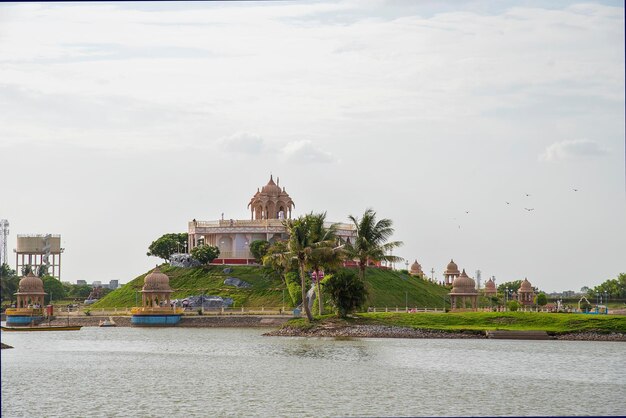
(381, 331)
(371, 331)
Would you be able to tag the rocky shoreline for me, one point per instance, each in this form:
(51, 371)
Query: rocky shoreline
(383, 331)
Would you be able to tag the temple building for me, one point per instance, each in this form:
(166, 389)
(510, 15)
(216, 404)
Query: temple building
(156, 307)
(269, 207)
(490, 288)
(526, 294)
(416, 269)
(30, 301)
(451, 273)
(463, 289)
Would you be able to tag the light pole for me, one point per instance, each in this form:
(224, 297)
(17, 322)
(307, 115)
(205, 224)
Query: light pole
(406, 300)
(506, 298)
(606, 301)
(432, 275)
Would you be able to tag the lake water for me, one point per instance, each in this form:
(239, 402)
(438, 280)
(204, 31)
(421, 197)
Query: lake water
(191, 372)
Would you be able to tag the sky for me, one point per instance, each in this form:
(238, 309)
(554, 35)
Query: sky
(120, 122)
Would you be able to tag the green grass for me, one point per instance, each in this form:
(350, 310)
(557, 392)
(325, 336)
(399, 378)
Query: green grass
(386, 288)
(482, 321)
(393, 288)
(265, 291)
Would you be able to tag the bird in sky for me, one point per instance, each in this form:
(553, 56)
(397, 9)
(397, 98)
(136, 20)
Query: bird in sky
(575, 190)
(527, 195)
(467, 211)
(529, 209)
(508, 203)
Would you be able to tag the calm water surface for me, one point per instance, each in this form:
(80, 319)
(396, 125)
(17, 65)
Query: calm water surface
(181, 372)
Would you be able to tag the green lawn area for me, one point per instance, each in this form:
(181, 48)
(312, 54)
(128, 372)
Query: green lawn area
(481, 321)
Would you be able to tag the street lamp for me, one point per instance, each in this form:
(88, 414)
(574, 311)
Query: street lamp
(406, 300)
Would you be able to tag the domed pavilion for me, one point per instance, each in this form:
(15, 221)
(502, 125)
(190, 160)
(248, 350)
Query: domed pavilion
(156, 307)
(30, 301)
(490, 288)
(463, 289)
(271, 202)
(451, 273)
(416, 269)
(526, 294)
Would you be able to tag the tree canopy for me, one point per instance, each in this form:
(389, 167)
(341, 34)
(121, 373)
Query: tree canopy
(259, 249)
(54, 289)
(346, 291)
(205, 253)
(9, 282)
(371, 242)
(513, 286)
(615, 288)
(167, 245)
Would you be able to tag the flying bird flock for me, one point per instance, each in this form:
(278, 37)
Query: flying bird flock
(527, 209)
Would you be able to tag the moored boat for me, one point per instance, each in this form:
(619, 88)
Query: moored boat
(43, 328)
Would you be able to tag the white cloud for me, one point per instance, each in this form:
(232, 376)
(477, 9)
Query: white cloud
(242, 143)
(304, 151)
(572, 149)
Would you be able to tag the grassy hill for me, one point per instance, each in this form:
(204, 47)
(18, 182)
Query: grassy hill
(386, 288)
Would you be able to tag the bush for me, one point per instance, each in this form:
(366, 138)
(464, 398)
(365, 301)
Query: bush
(205, 253)
(346, 291)
(258, 249)
(293, 287)
(513, 305)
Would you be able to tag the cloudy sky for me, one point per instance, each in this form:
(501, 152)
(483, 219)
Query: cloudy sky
(121, 122)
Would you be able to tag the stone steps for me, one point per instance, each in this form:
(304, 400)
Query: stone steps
(518, 335)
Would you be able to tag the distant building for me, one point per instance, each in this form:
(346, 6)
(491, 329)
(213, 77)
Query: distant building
(526, 294)
(114, 284)
(39, 250)
(490, 288)
(96, 283)
(81, 282)
(269, 207)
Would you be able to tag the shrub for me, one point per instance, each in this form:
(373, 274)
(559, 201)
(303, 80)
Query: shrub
(293, 287)
(346, 291)
(513, 305)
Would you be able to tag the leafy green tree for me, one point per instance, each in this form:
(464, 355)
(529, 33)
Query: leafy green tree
(370, 244)
(512, 286)
(346, 291)
(42, 270)
(9, 282)
(54, 289)
(26, 269)
(167, 245)
(205, 253)
(80, 291)
(614, 288)
(512, 305)
(259, 249)
(541, 299)
(278, 259)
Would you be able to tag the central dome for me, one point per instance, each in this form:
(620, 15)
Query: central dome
(271, 188)
(30, 284)
(526, 286)
(156, 281)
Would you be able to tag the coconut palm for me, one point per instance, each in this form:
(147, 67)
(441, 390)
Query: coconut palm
(370, 244)
(325, 253)
(300, 247)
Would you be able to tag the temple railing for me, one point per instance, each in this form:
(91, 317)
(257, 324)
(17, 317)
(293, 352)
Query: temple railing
(24, 311)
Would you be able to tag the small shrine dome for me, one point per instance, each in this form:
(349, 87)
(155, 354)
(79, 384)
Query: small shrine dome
(156, 281)
(463, 284)
(416, 268)
(490, 285)
(526, 286)
(31, 284)
(452, 268)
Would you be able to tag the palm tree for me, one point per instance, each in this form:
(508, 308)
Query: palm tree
(300, 247)
(370, 243)
(325, 253)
